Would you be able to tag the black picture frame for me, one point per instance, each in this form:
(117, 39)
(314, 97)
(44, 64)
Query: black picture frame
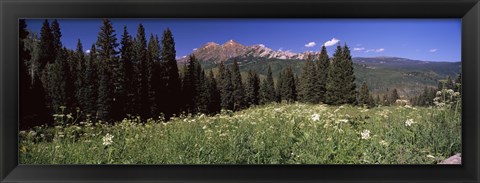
(467, 10)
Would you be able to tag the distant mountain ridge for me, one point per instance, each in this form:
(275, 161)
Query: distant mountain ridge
(215, 53)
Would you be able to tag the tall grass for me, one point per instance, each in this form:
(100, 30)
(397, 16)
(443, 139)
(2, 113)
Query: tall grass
(271, 134)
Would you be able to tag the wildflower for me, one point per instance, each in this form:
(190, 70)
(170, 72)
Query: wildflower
(69, 116)
(450, 91)
(107, 139)
(383, 143)
(456, 94)
(439, 93)
(343, 120)
(365, 134)
(430, 156)
(204, 127)
(315, 117)
(409, 122)
(277, 110)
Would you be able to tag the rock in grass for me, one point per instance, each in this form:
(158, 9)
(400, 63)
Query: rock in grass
(455, 159)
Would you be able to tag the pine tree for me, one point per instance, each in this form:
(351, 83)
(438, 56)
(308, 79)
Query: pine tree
(309, 84)
(290, 91)
(226, 91)
(91, 83)
(171, 80)
(364, 96)
(393, 96)
(32, 110)
(126, 80)
(238, 90)
(59, 82)
(252, 88)
(47, 50)
(189, 84)
(79, 64)
(214, 95)
(322, 74)
(141, 69)
(153, 66)
(107, 59)
(350, 92)
(57, 36)
(334, 90)
(267, 89)
(279, 88)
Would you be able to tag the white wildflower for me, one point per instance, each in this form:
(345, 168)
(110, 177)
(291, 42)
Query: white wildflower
(383, 143)
(343, 120)
(107, 139)
(430, 156)
(315, 117)
(439, 93)
(409, 122)
(365, 134)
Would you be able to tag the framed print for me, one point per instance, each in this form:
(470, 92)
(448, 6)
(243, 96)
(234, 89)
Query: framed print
(239, 91)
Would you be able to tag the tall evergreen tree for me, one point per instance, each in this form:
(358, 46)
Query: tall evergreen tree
(127, 84)
(252, 88)
(153, 67)
(238, 90)
(334, 91)
(322, 73)
(107, 59)
(289, 91)
(190, 85)
(309, 83)
(60, 83)
(214, 95)
(279, 88)
(268, 89)
(91, 83)
(226, 91)
(47, 49)
(142, 70)
(349, 86)
(32, 110)
(80, 68)
(171, 79)
(57, 37)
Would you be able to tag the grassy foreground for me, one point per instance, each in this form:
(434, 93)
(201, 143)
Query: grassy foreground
(271, 134)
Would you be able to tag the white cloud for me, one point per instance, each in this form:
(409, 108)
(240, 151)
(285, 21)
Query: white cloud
(310, 44)
(358, 49)
(87, 51)
(280, 49)
(433, 50)
(331, 42)
(375, 50)
(195, 49)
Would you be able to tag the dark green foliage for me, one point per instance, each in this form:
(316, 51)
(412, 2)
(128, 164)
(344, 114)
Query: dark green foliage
(171, 89)
(322, 73)
(57, 36)
(364, 96)
(341, 87)
(127, 81)
(107, 63)
(267, 89)
(91, 83)
(60, 82)
(252, 89)
(334, 92)
(226, 87)
(458, 83)
(289, 91)
(153, 65)
(350, 92)
(142, 71)
(279, 87)
(33, 111)
(425, 98)
(238, 90)
(46, 46)
(309, 85)
(80, 68)
(214, 94)
(393, 96)
(191, 85)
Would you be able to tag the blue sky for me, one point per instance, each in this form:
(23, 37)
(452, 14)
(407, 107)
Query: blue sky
(421, 39)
